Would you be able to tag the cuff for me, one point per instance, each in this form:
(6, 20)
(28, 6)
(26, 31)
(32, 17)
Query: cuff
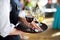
(5, 32)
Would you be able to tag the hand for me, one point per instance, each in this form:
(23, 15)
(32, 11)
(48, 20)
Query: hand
(34, 26)
(15, 32)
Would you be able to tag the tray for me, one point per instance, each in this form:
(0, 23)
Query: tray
(23, 28)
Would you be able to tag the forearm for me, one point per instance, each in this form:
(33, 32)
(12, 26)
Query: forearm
(23, 20)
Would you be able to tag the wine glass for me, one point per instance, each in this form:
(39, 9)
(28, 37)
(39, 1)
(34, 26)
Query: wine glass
(29, 18)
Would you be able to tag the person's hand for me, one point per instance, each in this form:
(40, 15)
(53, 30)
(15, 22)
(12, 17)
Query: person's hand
(15, 32)
(34, 26)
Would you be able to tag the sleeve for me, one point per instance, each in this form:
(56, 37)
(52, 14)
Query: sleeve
(5, 26)
(18, 3)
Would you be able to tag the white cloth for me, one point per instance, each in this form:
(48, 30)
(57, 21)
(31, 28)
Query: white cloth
(5, 26)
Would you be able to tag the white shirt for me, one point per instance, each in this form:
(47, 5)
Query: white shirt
(5, 26)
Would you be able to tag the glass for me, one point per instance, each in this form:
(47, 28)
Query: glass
(29, 18)
(39, 16)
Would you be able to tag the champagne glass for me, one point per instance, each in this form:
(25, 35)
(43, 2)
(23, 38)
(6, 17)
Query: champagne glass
(29, 19)
(39, 16)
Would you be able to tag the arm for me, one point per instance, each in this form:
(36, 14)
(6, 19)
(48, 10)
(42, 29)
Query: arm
(15, 32)
(31, 25)
(23, 20)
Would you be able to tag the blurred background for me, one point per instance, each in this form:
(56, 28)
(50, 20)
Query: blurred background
(46, 9)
